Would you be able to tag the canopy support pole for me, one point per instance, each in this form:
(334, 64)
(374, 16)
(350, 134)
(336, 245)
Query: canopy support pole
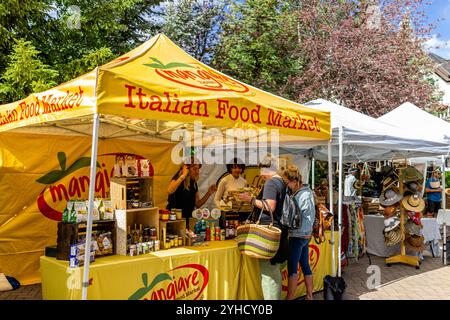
(340, 200)
(330, 200)
(87, 251)
(313, 169)
(443, 205)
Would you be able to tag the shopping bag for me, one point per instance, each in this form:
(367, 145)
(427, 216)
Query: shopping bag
(333, 288)
(256, 240)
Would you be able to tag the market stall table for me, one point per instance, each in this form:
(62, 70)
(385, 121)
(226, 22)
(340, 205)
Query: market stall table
(214, 271)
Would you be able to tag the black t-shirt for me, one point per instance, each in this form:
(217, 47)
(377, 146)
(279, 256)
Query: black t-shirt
(275, 189)
(182, 198)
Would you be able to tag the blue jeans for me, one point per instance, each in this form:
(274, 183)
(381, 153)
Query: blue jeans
(298, 252)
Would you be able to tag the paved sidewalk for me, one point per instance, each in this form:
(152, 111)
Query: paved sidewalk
(398, 282)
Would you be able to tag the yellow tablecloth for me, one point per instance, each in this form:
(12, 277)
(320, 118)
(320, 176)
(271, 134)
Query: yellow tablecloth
(216, 271)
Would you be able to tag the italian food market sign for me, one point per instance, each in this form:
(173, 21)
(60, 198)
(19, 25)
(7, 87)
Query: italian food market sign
(188, 92)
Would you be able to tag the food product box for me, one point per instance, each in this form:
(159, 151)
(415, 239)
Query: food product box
(131, 167)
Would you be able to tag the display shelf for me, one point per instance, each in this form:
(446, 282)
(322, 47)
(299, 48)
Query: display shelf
(124, 190)
(403, 257)
(130, 217)
(176, 227)
(70, 233)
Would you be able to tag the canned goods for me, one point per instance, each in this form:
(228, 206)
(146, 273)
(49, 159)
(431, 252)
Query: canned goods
(180, 241)
(172, 216)
(157, 245)
(168, 244)
(222, 234)
(175, 241)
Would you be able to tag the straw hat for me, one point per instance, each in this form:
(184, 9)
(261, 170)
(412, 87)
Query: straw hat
(415, 243)
(391, 224)
(393, 237)
(410, 174)
(389, 197)
(390, 211)
(414, 203)
(412, 228)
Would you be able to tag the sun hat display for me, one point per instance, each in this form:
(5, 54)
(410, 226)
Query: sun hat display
(392, 238)
(410, 174)
(388, 171)
(389, 183)
(412, 186)
(415, 243)
(391, 224)
(390, 211)
(413, 203)
(414, 217)
(412, 228)
(389, 197)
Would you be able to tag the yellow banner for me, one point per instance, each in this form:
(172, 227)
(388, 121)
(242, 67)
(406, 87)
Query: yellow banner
(163, 82)
(215, 271)
(39, 173)
(69, 100)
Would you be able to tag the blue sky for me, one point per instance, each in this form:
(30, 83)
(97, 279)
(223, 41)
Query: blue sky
(440, 9)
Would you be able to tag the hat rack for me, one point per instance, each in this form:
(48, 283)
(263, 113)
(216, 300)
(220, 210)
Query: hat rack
(403, 257)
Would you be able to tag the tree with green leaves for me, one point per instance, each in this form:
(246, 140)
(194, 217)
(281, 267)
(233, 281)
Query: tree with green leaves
(254, 47)
(193, 24)
(72, 36)
(25, 73)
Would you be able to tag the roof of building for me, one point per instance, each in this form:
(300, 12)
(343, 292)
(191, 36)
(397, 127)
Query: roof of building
(443, 67)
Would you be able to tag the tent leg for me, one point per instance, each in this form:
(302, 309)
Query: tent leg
(443, 205)
(340, 200)
(313, 169)
(331, 202)
(87, 251)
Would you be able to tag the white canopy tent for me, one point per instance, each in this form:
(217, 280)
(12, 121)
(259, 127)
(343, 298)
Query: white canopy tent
(407, 115)
(358, 137)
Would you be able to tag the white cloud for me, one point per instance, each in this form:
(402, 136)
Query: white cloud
(439, 46)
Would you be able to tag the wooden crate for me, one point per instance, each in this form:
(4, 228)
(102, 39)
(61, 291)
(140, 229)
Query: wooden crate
(70, 233)
(119, 187)
(145, 216)
(177, 227)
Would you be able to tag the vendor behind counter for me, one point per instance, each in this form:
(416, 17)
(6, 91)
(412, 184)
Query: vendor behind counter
(183, 190)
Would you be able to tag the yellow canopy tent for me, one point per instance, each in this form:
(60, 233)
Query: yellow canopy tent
(152, 90)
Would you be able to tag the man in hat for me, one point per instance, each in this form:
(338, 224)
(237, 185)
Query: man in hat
(433, 191)
(349, 189)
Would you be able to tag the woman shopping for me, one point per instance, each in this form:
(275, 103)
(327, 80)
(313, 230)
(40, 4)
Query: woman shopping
(299, 238)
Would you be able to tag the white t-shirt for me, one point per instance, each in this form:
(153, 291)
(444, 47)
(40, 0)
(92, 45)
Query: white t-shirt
(229, 183)
(349, 189)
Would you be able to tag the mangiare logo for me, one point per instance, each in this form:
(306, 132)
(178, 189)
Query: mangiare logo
(67, 183)
(196, 76)
(314, 255)
(186, 282)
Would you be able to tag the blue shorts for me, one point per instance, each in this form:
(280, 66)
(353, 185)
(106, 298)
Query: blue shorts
(298, 253)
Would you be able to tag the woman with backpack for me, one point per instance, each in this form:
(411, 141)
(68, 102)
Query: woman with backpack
(299, 237)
